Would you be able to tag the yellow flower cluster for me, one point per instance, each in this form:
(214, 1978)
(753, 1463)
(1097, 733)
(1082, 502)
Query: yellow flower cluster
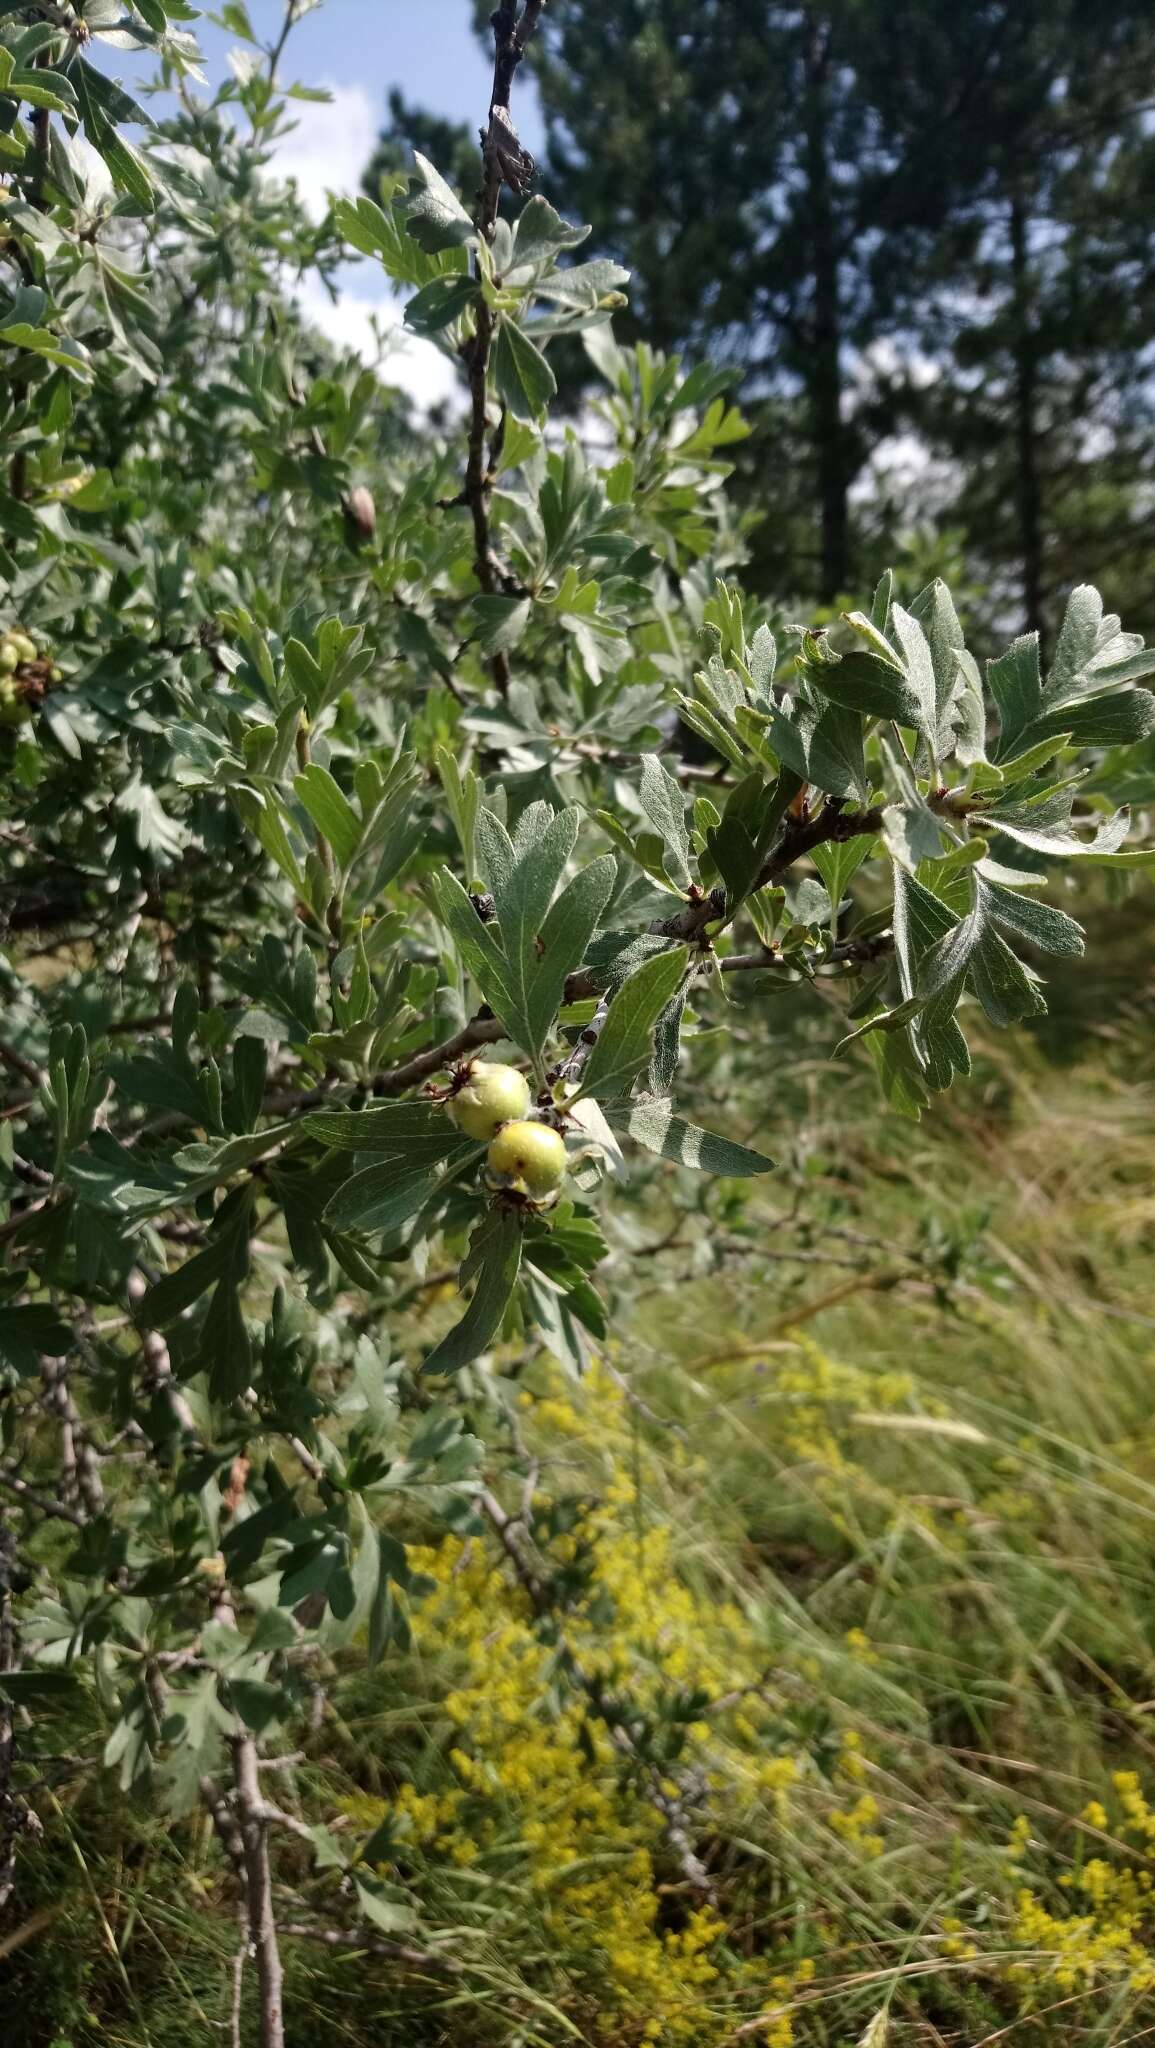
(859, 1645)
(1138, 1819)
(954, 1939)
(1110, 1941)
(855, 1824)
(541, 1789)
(1019, 1839)
(1112, 1937)
(820, 1393)
(532, 1792)
(780, 2024)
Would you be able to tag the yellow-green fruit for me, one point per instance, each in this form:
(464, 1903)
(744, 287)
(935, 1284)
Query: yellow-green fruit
(14, 710)
(492, 1095)
(8, 657)
(528, 1158)
(25, 648)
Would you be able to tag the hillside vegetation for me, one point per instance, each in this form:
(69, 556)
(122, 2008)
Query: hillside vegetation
(882, 1581)
(576, 1459)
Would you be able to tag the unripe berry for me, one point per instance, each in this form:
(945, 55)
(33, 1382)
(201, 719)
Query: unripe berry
(361, 513)
(14, 707)
(25, 648)
(8, 657)
(527, 1159)
(492, 1095)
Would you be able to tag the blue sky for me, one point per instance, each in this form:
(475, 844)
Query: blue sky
(427, 47)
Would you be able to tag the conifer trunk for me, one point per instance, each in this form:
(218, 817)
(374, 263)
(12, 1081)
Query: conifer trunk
(1029, 491)
(823, 373)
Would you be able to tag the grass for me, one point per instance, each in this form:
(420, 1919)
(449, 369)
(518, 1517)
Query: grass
(870, 1582)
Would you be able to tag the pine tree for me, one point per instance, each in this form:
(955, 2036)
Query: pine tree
(736, 217)
(923, 216)
(1038, 297)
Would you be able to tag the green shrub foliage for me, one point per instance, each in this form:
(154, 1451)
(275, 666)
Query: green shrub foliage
(339, 751)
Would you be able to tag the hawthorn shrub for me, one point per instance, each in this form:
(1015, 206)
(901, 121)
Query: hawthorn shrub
(367, 914)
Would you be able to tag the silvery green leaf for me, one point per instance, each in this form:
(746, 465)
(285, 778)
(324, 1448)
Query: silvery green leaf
(762, 661)
(440, 302)
(1006, 988)
(1039, 923)
(664, 805)
(523, 377)
(652, 1123)
(493, 1260)
(540, 234)
(330, 810)
(437, 219)
(1076, 646)
(566, 933)
(585, 285)
(934, 611)
(912, 833)
(871, 688)
(384, 1196)
(1046, 827)
(392, 1128)
(626, 1039)
(822, 744)
(1015, 683)
(590, 1120)
(1116, 720)
(970, 712)
(880, 606)
(836, 862)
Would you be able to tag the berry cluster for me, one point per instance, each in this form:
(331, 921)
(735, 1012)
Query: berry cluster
(26, 672)
(526, 1158)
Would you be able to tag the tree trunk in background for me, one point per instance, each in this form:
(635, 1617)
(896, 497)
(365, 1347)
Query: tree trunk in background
(823, 374)
(9, 1807)
(1029, 486)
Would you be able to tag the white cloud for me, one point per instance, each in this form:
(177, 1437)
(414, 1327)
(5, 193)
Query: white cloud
(327, 152)
(330, 145)
(366, 319)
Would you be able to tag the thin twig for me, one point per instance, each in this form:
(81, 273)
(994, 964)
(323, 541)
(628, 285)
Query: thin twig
(614, 1713)
(235, 2035)
(259, 1890)
(16, 1816)
(19, 1064)
(243, 1823)
(863, 1283)
(479, 1031)
(847, 953)
(159, 1374)
(831, 825)
(371, 1944)
(503, 162)
(277, 50)
(80, 1464)
(44, 1503)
